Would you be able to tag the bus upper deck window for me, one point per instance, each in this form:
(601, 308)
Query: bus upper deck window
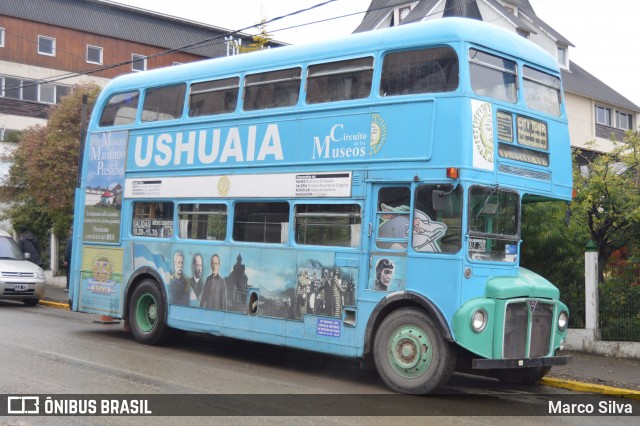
(542, 91)
(274, 89)
(340, 80)
(214, 97)
(420, 71)
(493, 76)
(120, 109)
(163, 103)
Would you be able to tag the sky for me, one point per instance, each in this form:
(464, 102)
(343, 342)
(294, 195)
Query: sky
(605, 34)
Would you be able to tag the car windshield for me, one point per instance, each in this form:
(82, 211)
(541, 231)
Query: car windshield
(9, 249)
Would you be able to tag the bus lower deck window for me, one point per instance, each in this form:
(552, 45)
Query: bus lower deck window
(328, 224)
(261, 222)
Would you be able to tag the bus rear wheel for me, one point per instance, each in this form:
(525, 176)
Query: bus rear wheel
(147, 315)
(410, 353)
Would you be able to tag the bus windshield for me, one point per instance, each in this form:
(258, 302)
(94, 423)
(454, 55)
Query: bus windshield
(494, 224)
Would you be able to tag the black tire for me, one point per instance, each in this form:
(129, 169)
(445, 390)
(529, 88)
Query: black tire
(402, 333)
(521, 376)
(147, 314)
(31, 302)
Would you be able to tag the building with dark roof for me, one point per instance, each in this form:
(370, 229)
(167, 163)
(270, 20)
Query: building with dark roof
(595, 110)
(46, 46)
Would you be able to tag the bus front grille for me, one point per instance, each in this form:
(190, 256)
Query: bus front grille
(527, 332)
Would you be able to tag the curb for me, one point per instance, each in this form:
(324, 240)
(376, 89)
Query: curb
(53, 304)
(590, 388)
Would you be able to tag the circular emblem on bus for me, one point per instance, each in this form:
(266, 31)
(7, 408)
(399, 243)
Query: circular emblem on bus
(378, 134)
(224, 184)
(483, 131)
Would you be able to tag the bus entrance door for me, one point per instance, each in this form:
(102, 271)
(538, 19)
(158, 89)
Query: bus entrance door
(390, 237)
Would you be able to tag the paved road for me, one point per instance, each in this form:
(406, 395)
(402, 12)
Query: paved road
(54, 351)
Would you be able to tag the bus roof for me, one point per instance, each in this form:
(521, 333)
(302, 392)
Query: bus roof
(438, 31)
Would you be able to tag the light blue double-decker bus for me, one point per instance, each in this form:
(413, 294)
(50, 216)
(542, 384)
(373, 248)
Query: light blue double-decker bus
(359, 197)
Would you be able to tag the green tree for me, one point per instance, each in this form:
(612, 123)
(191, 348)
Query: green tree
(607, 202)
(556, 251)
(41, 182)
(260, 40)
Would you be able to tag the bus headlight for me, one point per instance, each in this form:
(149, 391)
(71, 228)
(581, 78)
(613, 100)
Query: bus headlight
(479, 320)
(563, 321)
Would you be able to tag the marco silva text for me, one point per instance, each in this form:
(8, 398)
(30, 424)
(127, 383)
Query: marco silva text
(602, 407)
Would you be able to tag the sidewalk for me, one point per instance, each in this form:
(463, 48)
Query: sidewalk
(584, 373)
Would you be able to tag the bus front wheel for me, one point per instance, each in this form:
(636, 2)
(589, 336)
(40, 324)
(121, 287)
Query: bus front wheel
(410, 353)
(147, 314)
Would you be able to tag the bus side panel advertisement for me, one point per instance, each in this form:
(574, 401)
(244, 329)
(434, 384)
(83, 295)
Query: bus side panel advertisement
(352, 138)
(101, 288)
(104, 186)
(288, 284)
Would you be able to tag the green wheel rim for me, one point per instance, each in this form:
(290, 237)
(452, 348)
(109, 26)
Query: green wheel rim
(146, 312)
(410, 351)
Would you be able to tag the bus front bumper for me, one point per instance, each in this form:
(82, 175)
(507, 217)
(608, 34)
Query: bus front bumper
(489, 364)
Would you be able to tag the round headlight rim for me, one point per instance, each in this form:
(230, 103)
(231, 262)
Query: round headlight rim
(485, 321)
(562, 314)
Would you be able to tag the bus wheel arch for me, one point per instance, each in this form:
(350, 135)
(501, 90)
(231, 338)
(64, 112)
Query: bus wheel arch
(137, 277)
(396, 301)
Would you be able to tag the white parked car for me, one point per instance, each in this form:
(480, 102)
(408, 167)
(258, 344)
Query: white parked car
(19, 278)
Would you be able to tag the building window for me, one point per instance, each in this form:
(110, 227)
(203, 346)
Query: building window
(563, 56)
(139, 62)
(1, 37)
(46, 46)
(403, 12)
(623, 120)
(94, 55)
(12, 88)
(31, 90)
(60, 92)
(603, 115)
(48, 93)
